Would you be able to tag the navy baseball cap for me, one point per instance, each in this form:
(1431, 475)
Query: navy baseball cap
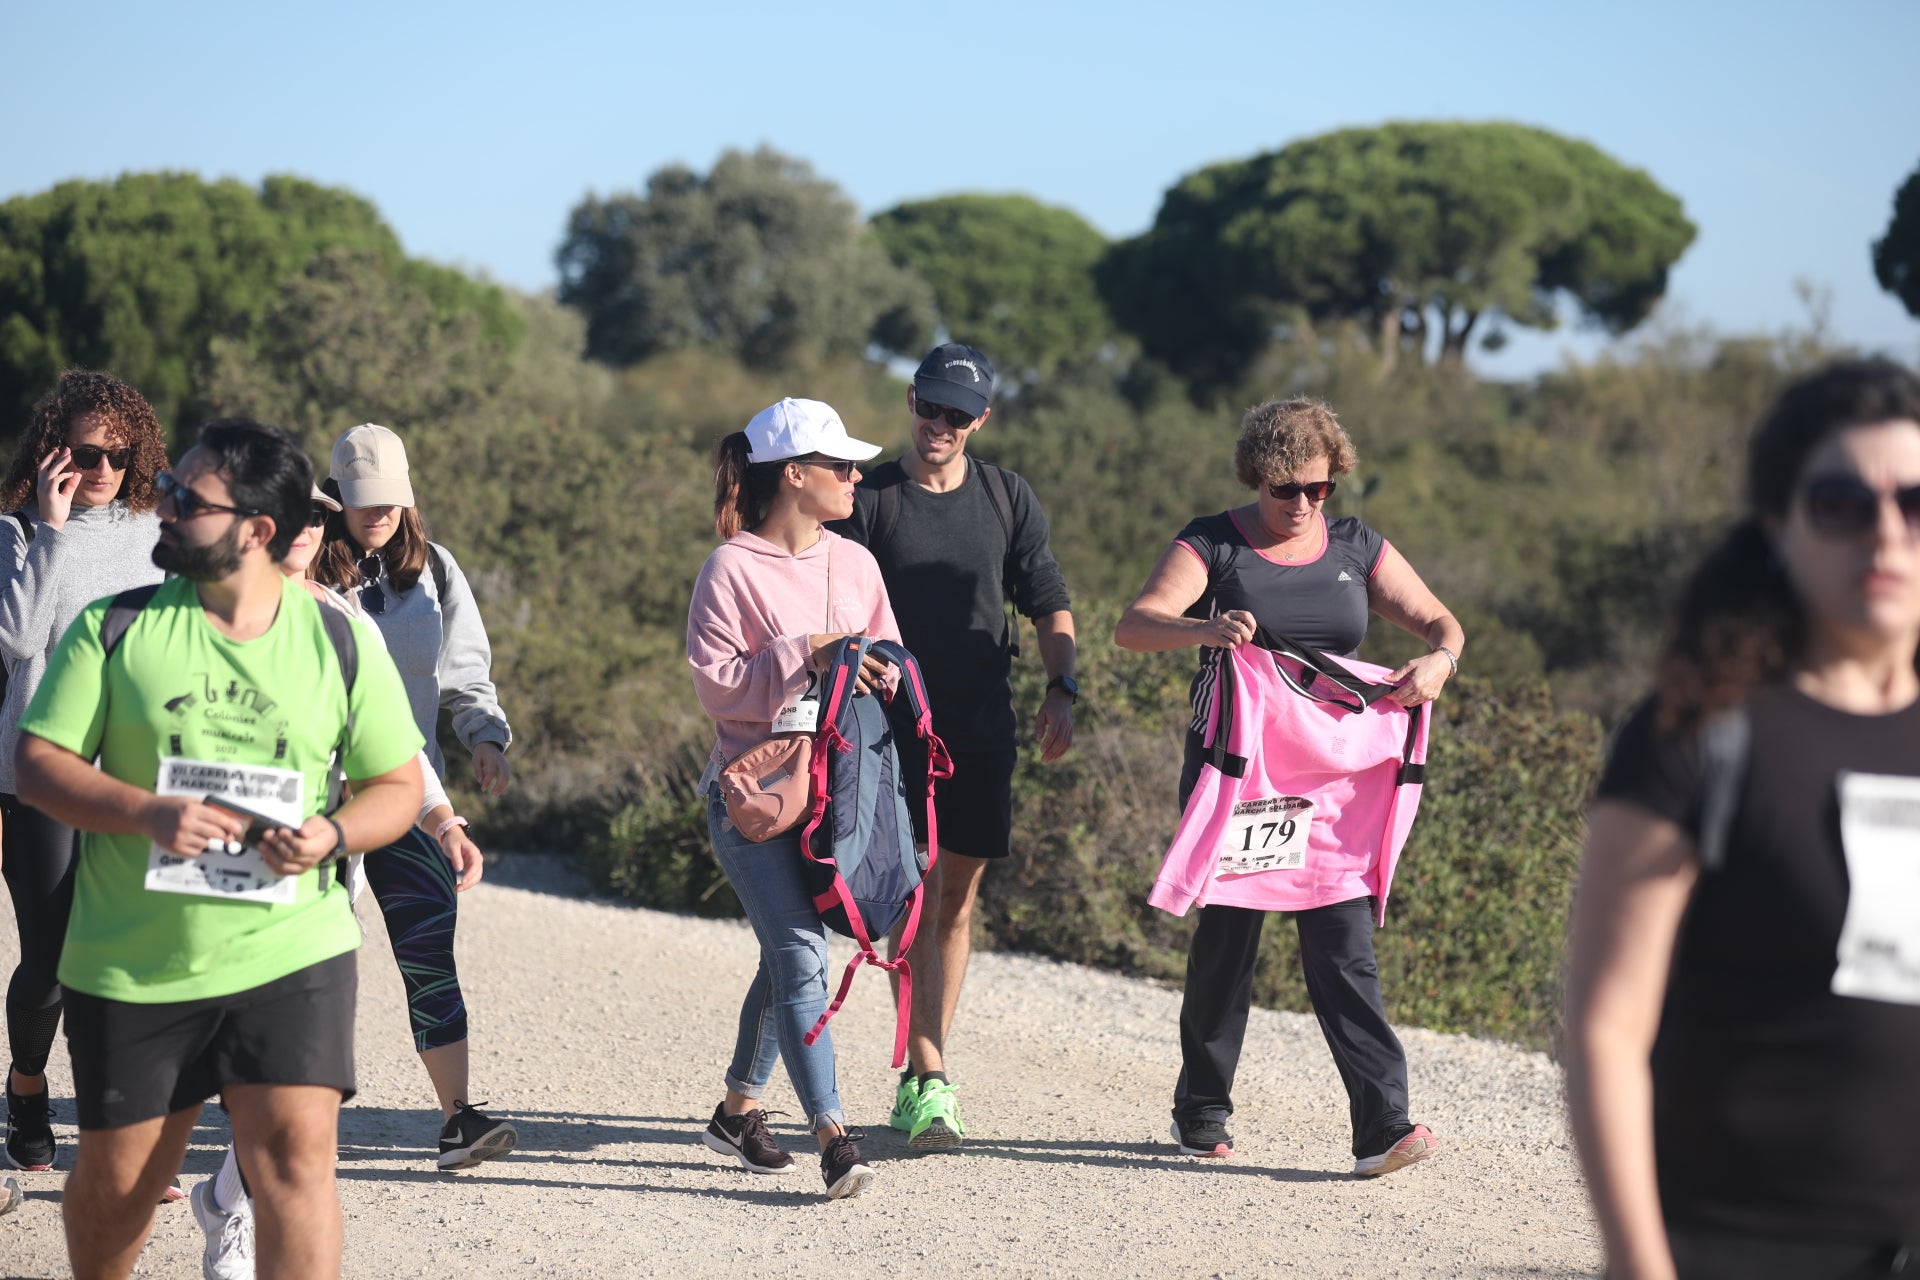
(955, 375)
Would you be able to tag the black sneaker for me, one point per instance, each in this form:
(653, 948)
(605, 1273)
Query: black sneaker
(845, 1174)
(1206, 1138)
(747, 1139)
(473, 1136)
(29, 1129)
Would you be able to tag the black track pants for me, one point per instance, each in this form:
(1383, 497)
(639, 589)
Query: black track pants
(1336, 953)
(37, 860)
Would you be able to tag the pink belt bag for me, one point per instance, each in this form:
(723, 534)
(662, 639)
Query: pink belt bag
(768, 789)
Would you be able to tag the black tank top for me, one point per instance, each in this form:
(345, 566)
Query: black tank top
(1321, 603)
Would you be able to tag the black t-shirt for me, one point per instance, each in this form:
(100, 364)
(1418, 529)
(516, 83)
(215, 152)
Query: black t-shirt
(1320, 603)
(1779, 1107)
(949, 573)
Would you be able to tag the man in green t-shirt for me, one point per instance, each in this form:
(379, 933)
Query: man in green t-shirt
(207, 956)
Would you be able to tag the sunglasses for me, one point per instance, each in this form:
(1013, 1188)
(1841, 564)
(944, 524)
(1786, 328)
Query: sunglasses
(372, 598)
(958, 419)
(87, 456)
(839, 466)
(1846, 507)
(317, 515)
(186, 504)
(1316, 491)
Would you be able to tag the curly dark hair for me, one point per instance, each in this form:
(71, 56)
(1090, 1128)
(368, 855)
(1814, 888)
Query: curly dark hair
(82, 393)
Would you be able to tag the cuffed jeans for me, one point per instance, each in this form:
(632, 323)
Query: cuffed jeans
(1336, 954)
(789, 991)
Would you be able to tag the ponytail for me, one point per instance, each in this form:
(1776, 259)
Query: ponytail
(743, 491)
(1738, 625)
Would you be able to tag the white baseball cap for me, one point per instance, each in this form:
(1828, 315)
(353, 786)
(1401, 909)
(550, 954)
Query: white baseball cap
(797, 428)
(322, 498)
(370, 465)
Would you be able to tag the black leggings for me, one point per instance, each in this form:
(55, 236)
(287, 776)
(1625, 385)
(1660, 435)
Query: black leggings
(37, 860)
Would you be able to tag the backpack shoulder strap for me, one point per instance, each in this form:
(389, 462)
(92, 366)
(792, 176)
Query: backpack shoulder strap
(1725, 743)
(886, 514)
(120, 615)
(437, 561)
(995, 479)
(346, 651)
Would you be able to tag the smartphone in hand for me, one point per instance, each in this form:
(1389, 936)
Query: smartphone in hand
(258, 824)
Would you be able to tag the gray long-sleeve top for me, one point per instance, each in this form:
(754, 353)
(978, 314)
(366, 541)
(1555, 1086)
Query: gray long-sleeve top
(44, 584)
(444, 659)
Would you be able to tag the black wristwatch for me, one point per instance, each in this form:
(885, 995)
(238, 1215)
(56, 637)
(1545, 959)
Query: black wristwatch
(1068, 683)
(339, 849)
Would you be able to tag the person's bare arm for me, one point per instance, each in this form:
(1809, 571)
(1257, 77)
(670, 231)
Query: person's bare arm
(1053, 725)
(1154, 622)
(1635, 881)
(67, 788)
(1396, 593)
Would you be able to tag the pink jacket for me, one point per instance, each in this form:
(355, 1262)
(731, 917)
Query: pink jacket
(1310, 802)
(754, 606)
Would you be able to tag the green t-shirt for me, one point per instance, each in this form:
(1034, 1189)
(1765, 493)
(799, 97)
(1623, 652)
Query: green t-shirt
(176, 687)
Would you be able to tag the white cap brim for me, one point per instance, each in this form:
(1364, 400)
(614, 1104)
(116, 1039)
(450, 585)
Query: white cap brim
(847, 449)
(323, 498)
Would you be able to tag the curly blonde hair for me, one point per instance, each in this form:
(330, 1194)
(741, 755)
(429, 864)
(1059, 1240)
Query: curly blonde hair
(1280, 437)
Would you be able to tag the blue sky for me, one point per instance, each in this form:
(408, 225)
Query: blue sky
(1785, 129)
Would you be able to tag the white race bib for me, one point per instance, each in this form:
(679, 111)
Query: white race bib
(802, 714)
(277, 793)
(1266, 835)
(1880, 941)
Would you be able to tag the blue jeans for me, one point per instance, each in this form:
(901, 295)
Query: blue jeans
(789, 991)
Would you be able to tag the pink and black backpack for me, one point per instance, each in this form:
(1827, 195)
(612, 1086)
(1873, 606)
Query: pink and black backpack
(865, 871)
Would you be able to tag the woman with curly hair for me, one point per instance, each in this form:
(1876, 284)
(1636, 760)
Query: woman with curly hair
(1278, 565)
(81, 525)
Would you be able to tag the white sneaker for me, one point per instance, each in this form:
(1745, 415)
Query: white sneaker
(229, 1252)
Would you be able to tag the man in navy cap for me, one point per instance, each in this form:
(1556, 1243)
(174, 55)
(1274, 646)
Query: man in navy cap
(956, 540)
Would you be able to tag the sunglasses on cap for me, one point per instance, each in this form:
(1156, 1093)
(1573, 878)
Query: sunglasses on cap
(87, 456)
(958, 419)
(188, 505)
(1316, 490)
(1847, 507)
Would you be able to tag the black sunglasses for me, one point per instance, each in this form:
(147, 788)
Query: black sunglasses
(87, 456)
(839, 466)
(1316, 491)
(317, 515)
(1847, 507)
(372, 598)
(188, 505)
(958, 419)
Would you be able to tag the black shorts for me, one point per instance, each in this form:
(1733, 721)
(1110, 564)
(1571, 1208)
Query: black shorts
(975, 805)
(133, 1062)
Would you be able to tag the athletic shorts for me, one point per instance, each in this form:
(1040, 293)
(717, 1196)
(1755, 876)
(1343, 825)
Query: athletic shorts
(975, 805)
(134, 1062)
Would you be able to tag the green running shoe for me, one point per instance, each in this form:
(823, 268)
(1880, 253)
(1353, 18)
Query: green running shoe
(938, 1123)
(906, 1105)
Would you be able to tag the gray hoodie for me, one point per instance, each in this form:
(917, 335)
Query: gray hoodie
(46, 582)
(444, 659)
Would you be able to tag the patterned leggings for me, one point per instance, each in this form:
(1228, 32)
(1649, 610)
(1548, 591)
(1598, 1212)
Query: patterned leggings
(414, 884)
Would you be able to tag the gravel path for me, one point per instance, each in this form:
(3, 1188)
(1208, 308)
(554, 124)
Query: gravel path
(602, 1031)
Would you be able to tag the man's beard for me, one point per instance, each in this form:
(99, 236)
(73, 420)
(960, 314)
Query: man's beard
(209, 563)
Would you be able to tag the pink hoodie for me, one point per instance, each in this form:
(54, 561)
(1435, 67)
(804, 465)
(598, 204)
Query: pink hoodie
(754, 606)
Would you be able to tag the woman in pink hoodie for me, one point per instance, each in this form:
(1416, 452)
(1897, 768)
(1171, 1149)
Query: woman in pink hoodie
(769, 608)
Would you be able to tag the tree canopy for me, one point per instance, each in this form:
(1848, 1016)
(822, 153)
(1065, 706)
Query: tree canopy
(759, 258)
(1896, 255)
(1010, 275)
(139, 275)
(1412, 229)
